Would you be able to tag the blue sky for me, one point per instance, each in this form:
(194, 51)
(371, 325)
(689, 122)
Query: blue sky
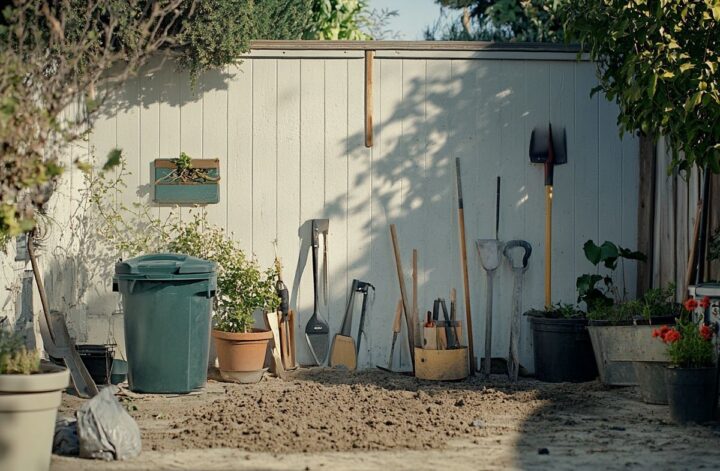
(413, 16)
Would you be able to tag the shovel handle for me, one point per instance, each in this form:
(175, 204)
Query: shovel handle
(398, 315)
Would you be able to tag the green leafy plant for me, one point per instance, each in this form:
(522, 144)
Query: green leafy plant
(243, 286)
(338, 19)
(714, 246)
(185, 172)
(656, 302)
(689, 345)
(558, 311)
(660, 61)
(591, 291)
(15, 358)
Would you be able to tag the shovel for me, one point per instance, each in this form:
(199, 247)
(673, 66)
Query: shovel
(544, 149)
(518, 270)
(343, 350)
(317, 332)
(56, 338)
(489, 250)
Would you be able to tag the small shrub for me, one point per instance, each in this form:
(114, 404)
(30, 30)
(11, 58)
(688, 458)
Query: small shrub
(15, 358)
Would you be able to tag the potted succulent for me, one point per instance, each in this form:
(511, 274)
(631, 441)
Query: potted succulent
(187, 181)
(243, 288)
(691, 378)
(620, 328)
(30, 394)
(561, 345)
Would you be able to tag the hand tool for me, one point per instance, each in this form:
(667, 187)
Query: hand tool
(453, 314)
(56, 338)
(368, 298)
(284, 326)
(463, 261)
(403, 295)
(396, 331)
(544, 149)
(415, 321)
(342, 351)
(276, 364)
(450, 338)
(428, 320)
(489, 250)
(291, 337)
(317, 332)
(518, 270)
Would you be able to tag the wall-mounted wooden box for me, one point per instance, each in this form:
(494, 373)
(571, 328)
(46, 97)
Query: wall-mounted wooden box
(441, 365)
(168, 191)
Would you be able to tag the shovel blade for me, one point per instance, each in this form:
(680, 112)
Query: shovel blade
(317, 334)
(489, 250)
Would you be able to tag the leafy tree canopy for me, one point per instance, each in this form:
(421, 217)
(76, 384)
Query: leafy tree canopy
(660, 60)
(500, 20)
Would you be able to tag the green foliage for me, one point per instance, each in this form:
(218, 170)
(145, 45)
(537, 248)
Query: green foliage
(660, 61)
(501, 20)
(15, 357)
(558, 311)
(337, 19)
(714, 246)
(242, 285)
(590, 291)
(691, 350)
(655, 302)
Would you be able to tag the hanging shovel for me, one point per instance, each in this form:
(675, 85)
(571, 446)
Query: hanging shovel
(549, 151)
(518, 270)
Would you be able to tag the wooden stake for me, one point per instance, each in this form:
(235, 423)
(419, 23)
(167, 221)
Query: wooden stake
(416, 325)
(369, 58)
(403, 294)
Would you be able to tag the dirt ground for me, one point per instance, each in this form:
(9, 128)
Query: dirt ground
(326, 419)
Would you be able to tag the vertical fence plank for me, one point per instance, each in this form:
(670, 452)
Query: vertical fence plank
(215, 136)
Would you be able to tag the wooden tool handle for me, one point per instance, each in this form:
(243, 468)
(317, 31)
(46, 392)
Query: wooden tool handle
(403, 293)
(414, 314)
(548, 245)
(398, 315)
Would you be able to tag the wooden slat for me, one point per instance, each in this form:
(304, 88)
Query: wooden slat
(369, 59)
(411, 46)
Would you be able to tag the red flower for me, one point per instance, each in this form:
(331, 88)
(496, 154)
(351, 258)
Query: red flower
(690, 304)
(706, 332)
(704, 302)
(661, 332)
(671, 336)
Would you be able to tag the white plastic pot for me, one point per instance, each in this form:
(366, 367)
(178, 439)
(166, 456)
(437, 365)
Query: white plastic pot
(28, 408)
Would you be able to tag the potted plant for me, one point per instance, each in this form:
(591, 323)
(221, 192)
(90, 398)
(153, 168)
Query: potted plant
(187, 181)
(691, 378)
(243, 288)
(619, 327)
(30, 394)
(561, 345)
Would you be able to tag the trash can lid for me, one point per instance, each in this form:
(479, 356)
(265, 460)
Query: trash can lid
(164, 264)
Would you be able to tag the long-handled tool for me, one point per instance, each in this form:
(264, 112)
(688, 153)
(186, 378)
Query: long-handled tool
(343, 350)
(56, 338)
(396, 331)
(403, 294)
(450, 340)
(544, 149)
(273, 324)
(317, 332)
(489, 250)
(284, 309)
(518, 270)
(463, 262)
(368, 298)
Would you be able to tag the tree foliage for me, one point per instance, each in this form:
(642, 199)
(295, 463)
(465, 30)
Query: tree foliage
(660, 61)
(500, 20)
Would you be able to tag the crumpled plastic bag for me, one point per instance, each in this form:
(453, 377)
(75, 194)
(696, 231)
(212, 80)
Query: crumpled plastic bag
(105, 429)
(65, 440)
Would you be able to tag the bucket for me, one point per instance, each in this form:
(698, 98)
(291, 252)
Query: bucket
(651, 381)
(562, 350)
(692, 394)
(98, 359)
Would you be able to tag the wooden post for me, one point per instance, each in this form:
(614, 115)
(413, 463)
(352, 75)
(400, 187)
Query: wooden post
(646, 212)
(369, 58)
(403, 294)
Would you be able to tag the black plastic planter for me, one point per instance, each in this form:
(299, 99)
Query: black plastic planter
(692, 394)
(562, 350)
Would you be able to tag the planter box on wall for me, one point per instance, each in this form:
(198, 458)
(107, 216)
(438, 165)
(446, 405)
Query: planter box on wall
(187, 193)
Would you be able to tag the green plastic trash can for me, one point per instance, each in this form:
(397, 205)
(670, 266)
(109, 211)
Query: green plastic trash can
(167, 302)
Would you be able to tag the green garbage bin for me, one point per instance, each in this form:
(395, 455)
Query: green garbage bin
(167, 302)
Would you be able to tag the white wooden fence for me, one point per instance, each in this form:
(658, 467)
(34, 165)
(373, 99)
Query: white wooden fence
(288, 127)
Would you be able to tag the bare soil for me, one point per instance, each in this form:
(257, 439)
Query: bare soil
(335, 419)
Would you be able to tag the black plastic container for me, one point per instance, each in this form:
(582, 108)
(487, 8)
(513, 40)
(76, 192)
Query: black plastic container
(98, 360)
(562, 350)
(692, 394)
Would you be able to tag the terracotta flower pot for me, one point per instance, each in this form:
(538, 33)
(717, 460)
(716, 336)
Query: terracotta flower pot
(241, 351)
(28, 407)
